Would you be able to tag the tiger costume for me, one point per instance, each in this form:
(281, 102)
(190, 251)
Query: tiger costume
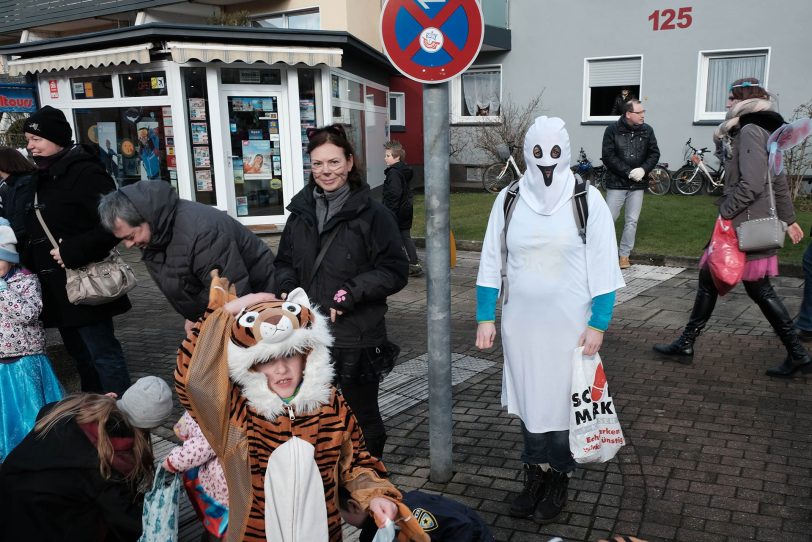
(283, 462)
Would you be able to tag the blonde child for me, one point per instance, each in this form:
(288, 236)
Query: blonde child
(27, 381)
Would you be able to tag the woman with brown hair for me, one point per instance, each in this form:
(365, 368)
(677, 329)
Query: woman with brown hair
(741, 141)
(81, 474)
(16, 174)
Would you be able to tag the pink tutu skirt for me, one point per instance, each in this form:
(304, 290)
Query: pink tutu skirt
(753, 269)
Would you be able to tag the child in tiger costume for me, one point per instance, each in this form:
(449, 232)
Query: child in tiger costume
(255, 374)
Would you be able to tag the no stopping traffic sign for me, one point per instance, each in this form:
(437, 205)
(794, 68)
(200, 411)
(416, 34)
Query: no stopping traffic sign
(431, 41)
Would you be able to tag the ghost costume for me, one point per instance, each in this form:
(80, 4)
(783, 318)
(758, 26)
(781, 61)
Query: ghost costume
(553, 277)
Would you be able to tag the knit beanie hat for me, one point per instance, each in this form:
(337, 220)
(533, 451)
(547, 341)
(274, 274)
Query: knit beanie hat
(49, 123)
(8, 242)
(146, 403)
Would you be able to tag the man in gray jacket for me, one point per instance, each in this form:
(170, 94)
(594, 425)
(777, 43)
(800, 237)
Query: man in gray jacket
(182, 241)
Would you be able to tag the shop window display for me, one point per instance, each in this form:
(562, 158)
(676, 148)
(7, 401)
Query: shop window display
(131, 141)
(91, 87)
(143, 84)
(197, 115)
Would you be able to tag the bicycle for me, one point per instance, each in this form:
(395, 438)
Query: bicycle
(659, 179)
(497, 176)
(696, 173)
(593, 174)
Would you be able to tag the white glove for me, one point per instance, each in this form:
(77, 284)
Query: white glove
(637, 174)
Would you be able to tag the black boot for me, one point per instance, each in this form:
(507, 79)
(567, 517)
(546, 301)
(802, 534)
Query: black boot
(525, 502)
(798, 358)
(705, 301)
(556, 487)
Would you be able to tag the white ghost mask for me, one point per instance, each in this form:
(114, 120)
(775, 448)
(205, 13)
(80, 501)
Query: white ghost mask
(548, 182)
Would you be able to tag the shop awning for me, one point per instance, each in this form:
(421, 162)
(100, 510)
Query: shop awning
(84, 59)
(205, 52)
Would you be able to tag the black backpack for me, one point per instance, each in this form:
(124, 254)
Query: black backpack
(579, 208)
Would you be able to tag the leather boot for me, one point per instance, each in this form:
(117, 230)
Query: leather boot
(525, 502)
(704, 303)
(776, 313)
(556, 487)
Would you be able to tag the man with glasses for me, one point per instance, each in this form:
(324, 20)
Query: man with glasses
(629, 152)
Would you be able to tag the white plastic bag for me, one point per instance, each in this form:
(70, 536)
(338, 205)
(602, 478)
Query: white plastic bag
(595, 433)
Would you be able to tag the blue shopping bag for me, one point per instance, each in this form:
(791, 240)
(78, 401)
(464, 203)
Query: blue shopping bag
(161, 509)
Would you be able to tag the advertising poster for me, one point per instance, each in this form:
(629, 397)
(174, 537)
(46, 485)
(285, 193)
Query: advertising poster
(236, 165)
(200, 133)
(242, 205)
(256, 156)
(201, 156)
(166, 111)
(197, 108)
(203, 180)
(108, 141)
(149, 142)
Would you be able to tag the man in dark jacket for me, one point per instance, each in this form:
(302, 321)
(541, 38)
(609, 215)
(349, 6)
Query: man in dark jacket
(397, 197)
(182, 241)
(629, 152)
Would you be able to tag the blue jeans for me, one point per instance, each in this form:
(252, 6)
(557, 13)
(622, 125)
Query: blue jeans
(552, 447)
(633, 199)
(99, 357)
(804, 320)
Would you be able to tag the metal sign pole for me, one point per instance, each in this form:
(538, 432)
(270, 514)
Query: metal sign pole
(437, 188)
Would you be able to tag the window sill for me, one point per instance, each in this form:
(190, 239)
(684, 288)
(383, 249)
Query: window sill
(476, 121)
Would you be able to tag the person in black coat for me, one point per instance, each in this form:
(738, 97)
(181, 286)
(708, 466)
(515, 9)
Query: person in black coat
(397, 197)
(69, 181)
(16, 181)
(344, 249)
(629, 152)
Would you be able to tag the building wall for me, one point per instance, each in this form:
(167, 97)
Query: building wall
(412, 137)
(553, 39)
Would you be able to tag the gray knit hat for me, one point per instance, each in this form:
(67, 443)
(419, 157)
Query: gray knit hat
(146, 403)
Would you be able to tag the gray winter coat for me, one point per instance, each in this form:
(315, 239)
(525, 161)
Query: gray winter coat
(189, 239)
(746, 196)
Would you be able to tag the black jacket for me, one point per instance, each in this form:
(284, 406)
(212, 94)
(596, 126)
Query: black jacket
(51, 489)
(18, 196)
(365, 259)
(625, 148)
(189, 239)
(397, 194)
(69, 192)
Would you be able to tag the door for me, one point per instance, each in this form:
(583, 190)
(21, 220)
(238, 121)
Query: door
(256, 155)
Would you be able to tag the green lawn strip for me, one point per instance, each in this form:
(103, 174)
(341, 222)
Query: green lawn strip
(670, 225)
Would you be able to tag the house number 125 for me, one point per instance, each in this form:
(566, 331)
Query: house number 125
(665, 19)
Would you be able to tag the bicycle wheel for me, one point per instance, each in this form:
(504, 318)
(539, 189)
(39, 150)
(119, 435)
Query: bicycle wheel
(717, 186)
(491, 179)
(659, 181)
(688, 180)
(599, 178)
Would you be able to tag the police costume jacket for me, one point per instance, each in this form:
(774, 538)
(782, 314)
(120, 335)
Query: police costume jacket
(397, 194)
(51, 489)
(364, 263)
(625, 148)
(745, 195)
(68, 191)
(190, 239)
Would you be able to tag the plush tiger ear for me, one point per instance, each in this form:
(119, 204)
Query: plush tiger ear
(220, 292)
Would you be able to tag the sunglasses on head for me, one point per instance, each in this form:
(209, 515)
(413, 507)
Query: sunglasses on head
(335, 129)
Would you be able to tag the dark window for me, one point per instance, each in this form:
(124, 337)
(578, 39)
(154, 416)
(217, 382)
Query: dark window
(143, 84)
(91, 87)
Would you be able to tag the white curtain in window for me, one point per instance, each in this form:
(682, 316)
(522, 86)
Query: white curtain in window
(724, 70)
(480, 91)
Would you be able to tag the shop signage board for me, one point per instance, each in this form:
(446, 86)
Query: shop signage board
(17, 98)
(432, 41)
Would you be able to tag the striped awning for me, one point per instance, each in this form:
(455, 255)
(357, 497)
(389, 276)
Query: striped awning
(85, 59)
(206, 52)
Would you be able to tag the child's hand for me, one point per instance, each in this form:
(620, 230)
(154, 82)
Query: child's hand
(382, 509)
(168, 466)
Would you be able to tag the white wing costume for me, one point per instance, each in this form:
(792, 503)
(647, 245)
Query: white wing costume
(552, 277)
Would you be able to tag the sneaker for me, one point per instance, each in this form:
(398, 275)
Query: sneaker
(525, 502)
(624, 262)
(415, 270)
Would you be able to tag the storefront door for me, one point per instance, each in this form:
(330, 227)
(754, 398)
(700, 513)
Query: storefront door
(256, 153)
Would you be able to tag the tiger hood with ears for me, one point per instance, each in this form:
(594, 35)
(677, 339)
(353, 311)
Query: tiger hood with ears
(275, 329)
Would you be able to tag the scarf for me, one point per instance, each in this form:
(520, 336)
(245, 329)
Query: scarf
(722, 136)
(123, 457)
(328, 204)
(44, 163)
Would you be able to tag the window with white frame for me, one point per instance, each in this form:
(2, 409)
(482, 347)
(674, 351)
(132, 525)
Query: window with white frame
(397, 109)
(606, 80)
(717, 69)
(301, 20)
(477, 95)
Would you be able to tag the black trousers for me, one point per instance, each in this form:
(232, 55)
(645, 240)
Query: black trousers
(362, 397)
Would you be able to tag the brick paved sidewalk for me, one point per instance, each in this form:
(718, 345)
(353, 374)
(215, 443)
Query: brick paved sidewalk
(716, 450)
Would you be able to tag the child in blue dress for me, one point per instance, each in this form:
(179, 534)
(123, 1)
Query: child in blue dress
(27, 381)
